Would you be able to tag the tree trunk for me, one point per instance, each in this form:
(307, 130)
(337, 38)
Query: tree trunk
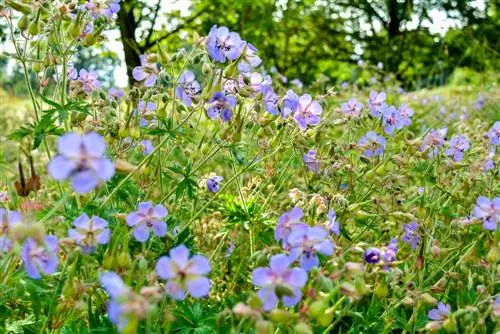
(394, 18)
(127, 25)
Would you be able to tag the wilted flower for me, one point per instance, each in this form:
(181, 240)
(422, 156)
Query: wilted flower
(7, 220)
(352, 108)
(311, 162)
(308, 112)
(372, 255)
(376, 102)
(433, 139)
(213, 183)
(88, 233)
(306, 242)
(222, 44)
(333, 224)
(410, 235)
(440, 313)
(184, 274)
(249, 60)
(40, 258)
(288, 222)
(494, 134)
(458, 145)
(221, 106)
(147, 72)
(81, 158)
(278, 281)
(488, 211)
(187, 88)
(372, 144)
(147, 217)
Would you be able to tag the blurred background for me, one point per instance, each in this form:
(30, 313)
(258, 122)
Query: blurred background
(414, 43)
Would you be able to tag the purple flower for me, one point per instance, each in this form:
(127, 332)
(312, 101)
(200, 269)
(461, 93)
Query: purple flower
(489, 165)
(213, 183)
(270, 99)
(147, 147)
(254, 81)
(146, 110)
(310, 160)
(71, 71)
(221, 106)
(333, 224)
(457, 146)
(249, 60)
(494, 134)
(372, 144)
(405, 115)
(306, 242)
(440, 313)
(147, 217)
(124, 304)
(278, 281)
(297, 83)
(433, 139)
(147, 72)
(488, 211)
(88, 233)
(389, 253)
(290, 103)
(40, 259)
(380, 65)
(410, 236)
(222, 44)
(184, 274)
(81, 159)
(352, 108)
(88, 80)
(390, 119)
(308, 112)
(106, 8)
(187, 88)
(288, 222)
(115, 93)
(7, 220)
(480, 102)
(372, 255)
(230, 249)
(376, 102)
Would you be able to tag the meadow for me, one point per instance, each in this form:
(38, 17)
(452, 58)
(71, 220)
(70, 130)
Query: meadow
(217, 197)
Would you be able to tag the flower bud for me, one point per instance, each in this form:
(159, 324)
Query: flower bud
(280, 316)
(254, 301)
(381, 290)
(20, 7)
(428, 299)
(327, 317)
(264, 327)
(317, 308)
(302, 328)
(23, 22)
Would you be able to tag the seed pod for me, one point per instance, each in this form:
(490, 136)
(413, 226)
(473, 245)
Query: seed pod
(23, 22)
(264, 327)
(20, 7)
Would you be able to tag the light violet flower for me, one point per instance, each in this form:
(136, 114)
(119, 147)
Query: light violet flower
(221, 106)
(88, 80)
(250, 59)
(279, 281)
(147, 217)
(115, 93)
(89, 233)
(147, 146)
(433, 140)
(147, 72)
(188, 88)
(184, 274)
(405, 115)
(333, 224)
(376, 102)
(372, 144)
(223, 44)
(310, 161)
(440, 313)
(410, 235)
(457, 146)
(81, 159)
(288, 222)
(308, 112)
(213, 183)
(352, 108)
(290, 103)
(494, 134)
(270, 99)
(306, 242)
(7, 220)
(146, 111)
(390, 119)
(106, 8)
(487, 211)
(40, 259)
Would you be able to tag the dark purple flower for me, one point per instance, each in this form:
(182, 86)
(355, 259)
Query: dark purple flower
(213, 183)
(270, 99)
(278, 281)
(352, 108)
(372, 255)
(288, 222)
(188, 87)
(81, 159)
(372, 144)
(306, 242)
(184, 274)
(222, 44)
(7, 220)
(89, 233)
(147, 147)
(440, 313)
(488, 211)
(147, 72)
(40, 259)
(410, 236)
(333, 224)
(494, 134)
(147, 217)
(390, 119)
(308, 112)
(249, 60)
(433, 139)
(221, 106)
(457, 146)
(88, 80)
(310, 160)
(376, 102)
